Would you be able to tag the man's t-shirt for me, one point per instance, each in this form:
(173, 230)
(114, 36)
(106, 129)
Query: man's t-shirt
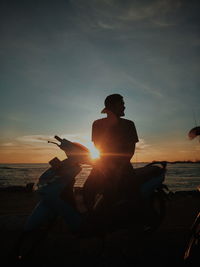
(115, 140)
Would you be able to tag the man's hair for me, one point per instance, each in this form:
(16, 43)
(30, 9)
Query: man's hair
(112, 99)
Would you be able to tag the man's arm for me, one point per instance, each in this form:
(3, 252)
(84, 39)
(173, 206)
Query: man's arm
(129, 144)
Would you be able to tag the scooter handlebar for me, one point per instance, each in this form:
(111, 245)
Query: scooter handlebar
(58, 138)
(162, 163)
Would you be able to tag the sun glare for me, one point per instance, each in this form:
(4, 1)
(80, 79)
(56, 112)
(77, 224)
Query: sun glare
(94, 153)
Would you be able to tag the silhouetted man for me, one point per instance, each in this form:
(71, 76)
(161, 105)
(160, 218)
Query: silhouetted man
(115, 138)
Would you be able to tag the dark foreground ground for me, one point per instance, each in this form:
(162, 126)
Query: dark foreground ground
(165, 247)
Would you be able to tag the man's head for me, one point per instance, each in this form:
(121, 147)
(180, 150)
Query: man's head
(114, 103)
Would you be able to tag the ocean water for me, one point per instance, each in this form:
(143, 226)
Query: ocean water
(179, 176)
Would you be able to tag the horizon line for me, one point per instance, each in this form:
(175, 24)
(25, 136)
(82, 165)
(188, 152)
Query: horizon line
(169, 161)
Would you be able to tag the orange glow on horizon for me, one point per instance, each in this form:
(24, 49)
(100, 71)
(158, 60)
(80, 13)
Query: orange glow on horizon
(43, 153)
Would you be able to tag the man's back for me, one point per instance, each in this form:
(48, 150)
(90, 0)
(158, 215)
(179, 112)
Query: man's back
(115, 138)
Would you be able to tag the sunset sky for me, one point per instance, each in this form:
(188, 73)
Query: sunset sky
(60, 59)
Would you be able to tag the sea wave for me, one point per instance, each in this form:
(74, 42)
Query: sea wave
(7, 168)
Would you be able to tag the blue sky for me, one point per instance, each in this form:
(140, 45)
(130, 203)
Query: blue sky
(60, 59)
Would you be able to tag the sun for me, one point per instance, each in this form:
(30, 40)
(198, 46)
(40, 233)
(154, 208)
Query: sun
(94, 152)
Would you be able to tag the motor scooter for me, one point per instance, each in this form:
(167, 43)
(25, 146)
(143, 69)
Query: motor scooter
(143, 202)
(55, 188)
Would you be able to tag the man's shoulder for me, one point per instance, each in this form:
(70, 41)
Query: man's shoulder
(127, 122)
(99, 124)
(99, 121)
(103, 121)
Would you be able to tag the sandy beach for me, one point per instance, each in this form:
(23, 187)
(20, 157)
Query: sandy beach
(121, 248)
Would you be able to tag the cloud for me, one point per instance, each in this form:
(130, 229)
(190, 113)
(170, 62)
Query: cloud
(7, 144)
(142, 145)
(34, 138)
(150, 9)
(141, 85)
(28, 141)
(112, 14)
(35, 148)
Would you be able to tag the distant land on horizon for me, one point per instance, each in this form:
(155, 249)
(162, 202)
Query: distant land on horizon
(170, 162)
(177, 161)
